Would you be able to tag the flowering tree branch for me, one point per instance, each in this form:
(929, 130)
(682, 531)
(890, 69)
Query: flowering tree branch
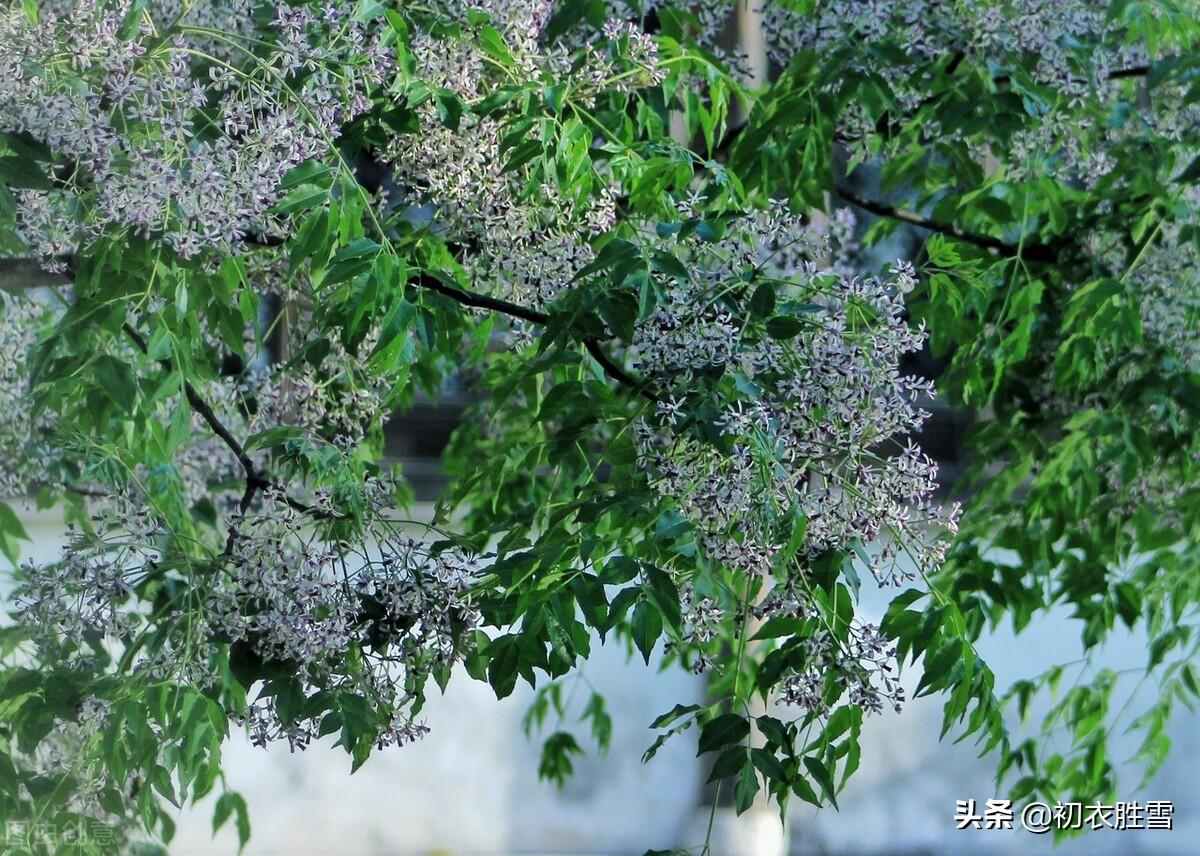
(256, 479)
(774, 470)
(482, 301)
(534, 316)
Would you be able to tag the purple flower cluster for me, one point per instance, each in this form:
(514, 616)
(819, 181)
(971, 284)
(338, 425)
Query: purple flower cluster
(184, 133)
(373, 618)
(404, 610)
(25, 454)
(522, 238)
(821, 436)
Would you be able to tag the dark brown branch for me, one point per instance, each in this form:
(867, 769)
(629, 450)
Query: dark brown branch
(616, 372)
(255, 480)
(1134, 71)
(87, 492)
(535, 316)
(1033, 252)
(206, 413)
(482, 301)
(21, 274)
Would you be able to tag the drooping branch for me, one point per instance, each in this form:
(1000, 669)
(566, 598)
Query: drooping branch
(481, 301)
(256, 479)
(21, 274)
(1133, 71)
(615, 371)
(202, 407)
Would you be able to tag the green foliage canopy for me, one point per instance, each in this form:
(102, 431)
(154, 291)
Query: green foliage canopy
(274, 226)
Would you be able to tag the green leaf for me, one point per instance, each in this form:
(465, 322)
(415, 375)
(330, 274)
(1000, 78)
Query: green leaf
(620, 605)
(555, 764)
(523, 154)
(646, 627)
(1190, 173)
(493, 45)
(773, 730)
(355, 258)
(746, 788)
(663, 720)
(768, 764)
(116, 377)
(671, 266)
(762, 302)
(19, 164)
(24, 174)
(449, 107)
(301, 199)
(11, 525)
(784, 327)
(310, 172)
(820, 774)
(505, 657)
(725, 729)
(728, 763)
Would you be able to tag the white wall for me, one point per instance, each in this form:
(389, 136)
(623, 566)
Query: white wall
(471, 786)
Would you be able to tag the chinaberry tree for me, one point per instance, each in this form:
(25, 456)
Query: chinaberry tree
(268, 226)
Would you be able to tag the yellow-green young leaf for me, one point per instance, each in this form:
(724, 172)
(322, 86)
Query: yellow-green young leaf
(493, 45)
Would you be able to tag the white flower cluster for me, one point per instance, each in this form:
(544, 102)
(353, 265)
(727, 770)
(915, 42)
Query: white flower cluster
(1067, 46)
(821, 429)
(706, 21)
(296, 601)
(88, 591)
(863, 668)
(702, 619)
(519, 243)
(1162, 279)
(277, 597)
(1166, 281)
(158, 134)
(863, 665)
(1045, 33)
(24, 452)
